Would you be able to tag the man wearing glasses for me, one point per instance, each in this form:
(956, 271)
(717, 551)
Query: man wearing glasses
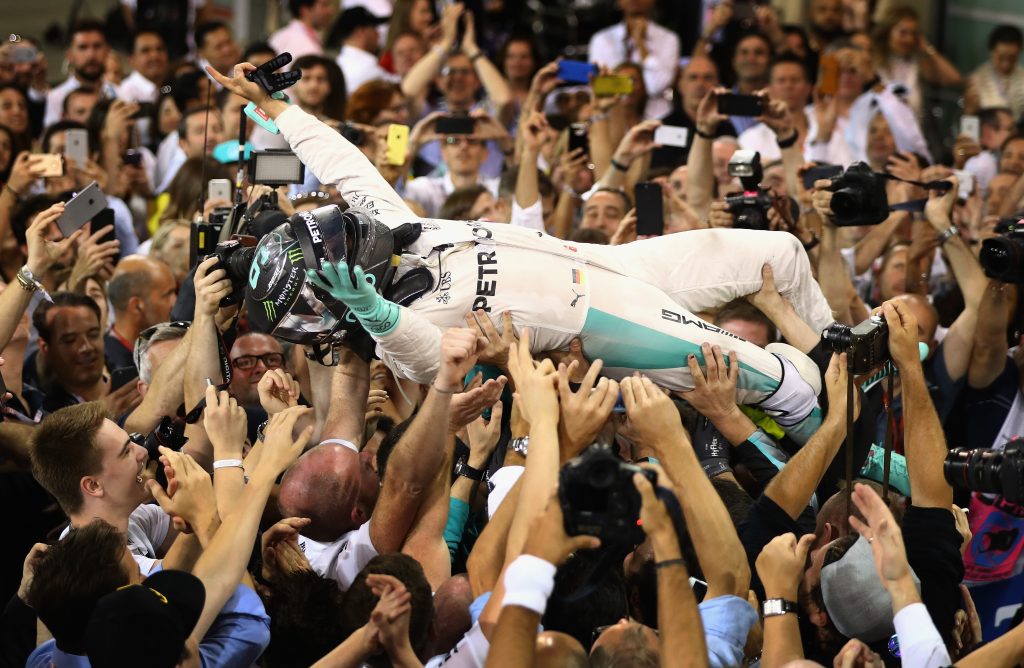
(251, 357)
(461, 157)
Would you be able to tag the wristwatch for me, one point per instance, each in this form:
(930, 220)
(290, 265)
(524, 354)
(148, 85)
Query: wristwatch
(520, 445)
(775, 607)
(27, 280)
(463, 469)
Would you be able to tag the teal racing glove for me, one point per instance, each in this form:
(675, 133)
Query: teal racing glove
(376, 314)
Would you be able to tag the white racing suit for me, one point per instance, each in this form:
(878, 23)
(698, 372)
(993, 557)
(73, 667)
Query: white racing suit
(631, 305)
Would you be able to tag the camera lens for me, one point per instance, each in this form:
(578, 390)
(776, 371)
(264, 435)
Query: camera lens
(602, 474)
(976, 469)
(847, 202)
(1001, 258)
(837, 337)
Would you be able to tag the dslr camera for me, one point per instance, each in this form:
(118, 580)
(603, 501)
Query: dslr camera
(988, 470)
(598, 497)
(1002, 257)
(751, 206)
(866, 345)
(235, 259)
(859, 197)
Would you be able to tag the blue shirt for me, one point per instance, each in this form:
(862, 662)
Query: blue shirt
(47, 655)
(727, 620)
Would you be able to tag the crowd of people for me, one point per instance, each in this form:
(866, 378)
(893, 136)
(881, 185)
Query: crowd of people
(184, 489)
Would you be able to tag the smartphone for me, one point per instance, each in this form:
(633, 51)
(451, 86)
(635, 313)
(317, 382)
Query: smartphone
(605, 86)
(578, 138)
(455, 125)
(819, 172)
(24, 54)
(828, 75)
(397, 144)
(81, 208)
(966, 181)
(145, 110)
(576, 71)
(121, 377)
(650, 212)
(740, 105)
(76, 145)
(971, 126)
(104, 220)
(672, 135)
(218, 189)
(50, 165)
(743, 12)
(132, 157)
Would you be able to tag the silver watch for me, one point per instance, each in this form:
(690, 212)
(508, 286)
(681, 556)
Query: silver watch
(521, 445)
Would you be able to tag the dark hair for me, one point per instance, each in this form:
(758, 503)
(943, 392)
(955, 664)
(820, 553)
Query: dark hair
(461, 201)
(73, 575)
(77, 91)
(369, 100)
(1005, 34)
(145, 31)
(122, 287)
(758, 35)
(617, 191)
(257, 47)
(400, 20)
(989, 116)
(884, 27)
(85, 25)
(294, 6)
(26, 211)
(794, 29)
(204, 29)
(60, 300)
(185, 115)
(185, 89)
(187, 187)
(741, 309)
(305, 619)
(589, 235)
(360, 600)
(63, 448)
(20, 141)
(607, 604)
(734, 498)
(1012, 138)
(790, 58)
(5, 170)
(334, 104)
(388, 443)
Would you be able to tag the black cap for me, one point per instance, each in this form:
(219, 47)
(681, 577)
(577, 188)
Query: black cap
(145, 624)
(356, 17)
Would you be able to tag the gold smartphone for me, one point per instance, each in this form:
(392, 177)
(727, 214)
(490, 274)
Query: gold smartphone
(50, 165)
(397, 144)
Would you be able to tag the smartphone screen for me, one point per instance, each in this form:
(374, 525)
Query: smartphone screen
(650, 213)
(104, 220)
(121, 377)
(671, 135)
(606, 86)
(578, 138)
(740, 105)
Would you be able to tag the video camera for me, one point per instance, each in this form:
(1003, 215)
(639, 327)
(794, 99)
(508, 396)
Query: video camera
(866, 345)
(988, 470)
(598, 497)
(750, 208)
(859, 197)
(1002, 257)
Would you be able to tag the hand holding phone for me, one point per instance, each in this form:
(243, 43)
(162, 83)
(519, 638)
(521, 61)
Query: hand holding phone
(397, 144)
(732, 104)
(81, 208)
(576, 71)
(650, 209)
(971, 127)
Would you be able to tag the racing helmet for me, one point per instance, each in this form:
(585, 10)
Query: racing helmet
(283, 303)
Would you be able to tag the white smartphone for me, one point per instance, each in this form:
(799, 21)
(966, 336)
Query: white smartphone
(966, 181)
(219, 189)
(76, 145)
(970, 126)
(672, 135)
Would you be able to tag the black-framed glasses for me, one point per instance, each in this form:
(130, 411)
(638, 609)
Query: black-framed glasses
(455, 141)
(270, 360)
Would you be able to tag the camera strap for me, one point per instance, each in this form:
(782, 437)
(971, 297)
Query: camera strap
(889, 433)
(916, 205)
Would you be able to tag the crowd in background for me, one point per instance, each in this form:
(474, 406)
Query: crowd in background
(345, 516)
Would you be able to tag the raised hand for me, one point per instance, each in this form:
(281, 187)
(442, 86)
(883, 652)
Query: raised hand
(190, 500)
(781, 565)
(123, 400)
(459, 350)
(280, 448)
(43, 253)
(225, 423)
(211, 285)
(278, 391)
(836, 386)
(584, 412)
(903, 334)
(883, 534)
(94, 258)
(653, 418)
(534, 382)
(714, 390)
(496, 351)
(708, 117)
(467, 406)
(241, 86)
(547, 538)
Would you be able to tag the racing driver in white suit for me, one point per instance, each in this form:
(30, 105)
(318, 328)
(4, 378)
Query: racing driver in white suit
(632, 305)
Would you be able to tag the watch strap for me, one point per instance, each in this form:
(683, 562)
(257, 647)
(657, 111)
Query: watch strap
(463, 469)
(774, 607)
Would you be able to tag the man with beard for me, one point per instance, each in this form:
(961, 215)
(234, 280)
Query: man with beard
(87, 56)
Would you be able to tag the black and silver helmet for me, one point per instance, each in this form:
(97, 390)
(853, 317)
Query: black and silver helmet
(280, 300)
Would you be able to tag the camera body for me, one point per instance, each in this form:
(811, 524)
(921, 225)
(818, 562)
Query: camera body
(235, 259)
(167, 434)
(859, 197)
(598, 497)
(750, 208)
(866, 345)
(988, 470)
(1002, 257)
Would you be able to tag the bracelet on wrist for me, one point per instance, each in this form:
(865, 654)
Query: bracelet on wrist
(619, 166)
(948, 234)
(815, 240)
(475, 56)
(789, 141)
(710, 136)
(440, 391)
(17, 197)
(669, 563)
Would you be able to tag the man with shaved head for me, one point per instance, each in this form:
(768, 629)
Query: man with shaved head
(355, 515)
(142, 292)
(559, 650)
